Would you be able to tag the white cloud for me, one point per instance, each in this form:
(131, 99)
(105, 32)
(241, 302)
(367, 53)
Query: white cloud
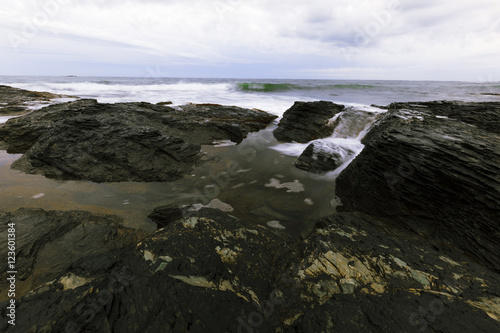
(317, 38)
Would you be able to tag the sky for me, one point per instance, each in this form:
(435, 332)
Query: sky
(450, 40)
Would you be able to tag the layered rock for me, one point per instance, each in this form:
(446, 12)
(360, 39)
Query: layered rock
(124, 141)
(15, 101)
(357, 274)
(435, 168)
(307, 121)
(208, 271)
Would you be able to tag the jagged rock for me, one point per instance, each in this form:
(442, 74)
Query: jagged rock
(15, 101)
(48, 243)
(435, 168)
(359, 274)
(124, 141)
(321, 157)
(307, 121)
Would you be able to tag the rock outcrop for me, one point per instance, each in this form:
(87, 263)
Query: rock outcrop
(15, 101)
(124, 141)
(357, 274)
(210, 272)
(435, 168)
(307, 121)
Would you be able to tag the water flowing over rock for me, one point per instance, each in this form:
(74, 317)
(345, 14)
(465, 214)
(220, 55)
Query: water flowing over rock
(433, 167)
(123, 141)
(353, 124)
(321, 157)
(307, 121)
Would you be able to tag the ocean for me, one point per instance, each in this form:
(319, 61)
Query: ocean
(270, 95)
(269, 188)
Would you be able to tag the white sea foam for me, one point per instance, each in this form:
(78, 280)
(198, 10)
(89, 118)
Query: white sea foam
(179, 93)
(4, 119)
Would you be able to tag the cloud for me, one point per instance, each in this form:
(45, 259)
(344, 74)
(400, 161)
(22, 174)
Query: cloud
(296, 36)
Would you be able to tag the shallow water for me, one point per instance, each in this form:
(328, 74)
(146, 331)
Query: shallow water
(259, 183)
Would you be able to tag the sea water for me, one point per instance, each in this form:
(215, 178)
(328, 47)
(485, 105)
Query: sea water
(266, 187)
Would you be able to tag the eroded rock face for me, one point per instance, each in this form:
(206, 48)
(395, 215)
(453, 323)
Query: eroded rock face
(210, 272)
(124, 141)
(435, 168)
(307, 121)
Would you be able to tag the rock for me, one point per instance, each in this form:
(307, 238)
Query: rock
(163, 215)
(357, 274)
(435, 168)
(48, 243)
(484, 115)
(212, 122)
(199, 273)
(307, 121)
(213, 273)
(124, 141)
(15, 101)
(321, 157)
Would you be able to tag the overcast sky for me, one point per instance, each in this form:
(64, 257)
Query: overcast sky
(323, 39)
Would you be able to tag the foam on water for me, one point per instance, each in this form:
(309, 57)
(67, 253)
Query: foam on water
(336, 139)
(4, 119)
(178, 93)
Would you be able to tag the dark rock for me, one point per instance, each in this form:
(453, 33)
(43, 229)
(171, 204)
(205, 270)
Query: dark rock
(49, 242)
(307, 121)
(15, 101)
(165, 215)
(164, 103)
(209, 272)
(321, 157)
(358, 274)
(435, 168)
(197, 274)
(207, 123)
(124, 141)
(484, 115)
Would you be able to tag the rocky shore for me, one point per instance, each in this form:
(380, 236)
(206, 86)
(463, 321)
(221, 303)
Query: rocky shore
(413, 246)
(87, 140)
(15, 101)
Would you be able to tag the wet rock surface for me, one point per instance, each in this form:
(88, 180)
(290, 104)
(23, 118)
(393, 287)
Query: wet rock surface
(356, 273)
(321, 157)
(15, 101)
(412, 249)
(307, 121)
(210, 272)
(435, 168)
(48, 243)
(123, 141)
